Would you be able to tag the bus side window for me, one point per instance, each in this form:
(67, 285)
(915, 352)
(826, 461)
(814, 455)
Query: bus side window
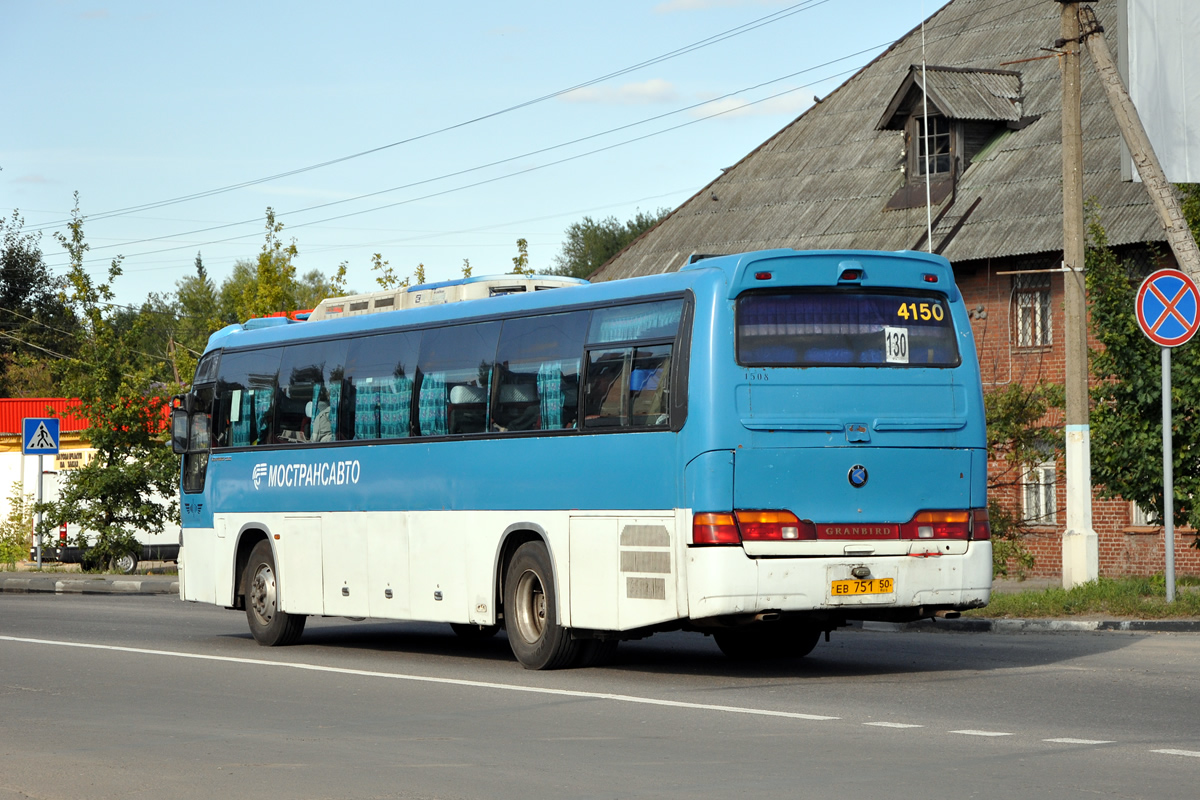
(245, 398)
(649, 386)
(628, 387)
(455, 368)
(628, 380)
(379, 387)
(537, 372)
(605, 402)
(310, 384)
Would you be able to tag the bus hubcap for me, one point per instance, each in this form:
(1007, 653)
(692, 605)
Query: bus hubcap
(262, 594)
(531, 607)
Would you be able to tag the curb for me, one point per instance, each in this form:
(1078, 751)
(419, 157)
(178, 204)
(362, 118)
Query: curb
(982, 625)
(98, 584)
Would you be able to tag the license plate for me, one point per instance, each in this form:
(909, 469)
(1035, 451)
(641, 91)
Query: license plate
(869, 586)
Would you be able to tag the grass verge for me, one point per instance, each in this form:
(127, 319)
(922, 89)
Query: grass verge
(1139, 598)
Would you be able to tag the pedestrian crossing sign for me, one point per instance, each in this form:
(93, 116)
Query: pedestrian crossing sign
(39, 436)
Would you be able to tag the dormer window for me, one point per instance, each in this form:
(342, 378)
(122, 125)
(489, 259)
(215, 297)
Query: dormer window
(963, 109)
(936, 142)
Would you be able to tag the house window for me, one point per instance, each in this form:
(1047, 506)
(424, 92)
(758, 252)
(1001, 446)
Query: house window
(932, 150)
(1032, 297)
(1140, 517)
(1040, 507)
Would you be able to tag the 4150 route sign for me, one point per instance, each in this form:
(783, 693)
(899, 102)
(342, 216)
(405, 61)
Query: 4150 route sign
(1168, 307)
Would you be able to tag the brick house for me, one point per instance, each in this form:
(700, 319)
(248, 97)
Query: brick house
(851, 172)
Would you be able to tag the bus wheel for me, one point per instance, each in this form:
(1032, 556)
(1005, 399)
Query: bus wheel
(531, 611)
(476, 632)
(771, 640)
(269, 625)
(125, 563)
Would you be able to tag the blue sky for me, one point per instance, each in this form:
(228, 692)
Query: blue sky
(135, 103)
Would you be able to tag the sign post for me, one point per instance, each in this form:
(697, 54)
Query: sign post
(39, 437)
(1168, 312)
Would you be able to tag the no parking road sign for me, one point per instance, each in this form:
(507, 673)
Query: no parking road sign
(1168, 311)
(1168, 307)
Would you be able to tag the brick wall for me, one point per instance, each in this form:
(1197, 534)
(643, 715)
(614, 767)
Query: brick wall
(1124, 548)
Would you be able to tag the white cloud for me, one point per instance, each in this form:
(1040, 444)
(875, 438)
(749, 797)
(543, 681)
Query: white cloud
(655, 90)
(790, 104)
(32, 179)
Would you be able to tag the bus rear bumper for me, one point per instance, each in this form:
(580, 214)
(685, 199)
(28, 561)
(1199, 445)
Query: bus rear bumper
(724, 582)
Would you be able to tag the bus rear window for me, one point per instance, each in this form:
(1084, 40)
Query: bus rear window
(845, 328)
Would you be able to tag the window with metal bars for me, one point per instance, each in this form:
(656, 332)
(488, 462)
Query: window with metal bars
(1031, 296)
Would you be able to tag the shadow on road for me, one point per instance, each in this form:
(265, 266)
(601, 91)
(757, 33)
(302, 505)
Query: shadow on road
(849, 653)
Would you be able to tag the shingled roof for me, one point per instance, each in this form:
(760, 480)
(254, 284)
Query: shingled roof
(824, 180)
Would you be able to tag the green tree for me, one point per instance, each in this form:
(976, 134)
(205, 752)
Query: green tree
(591, 243)
(231, 296)
(115, 494)
(197, 305)
(1019, 436)
(337, 284)
(313, 287)
(521, 259)
(274, 287)
(1126, 417)
(36, 326)
(269, 284)
(16, 527)
(387, 278)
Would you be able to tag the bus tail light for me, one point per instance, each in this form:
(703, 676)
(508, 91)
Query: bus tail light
(981, 526)
(62, 534)
(773, 526)
(750, 526)
(715, 529)
(937, 525)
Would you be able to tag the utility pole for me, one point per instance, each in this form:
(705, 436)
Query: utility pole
(1080, 547)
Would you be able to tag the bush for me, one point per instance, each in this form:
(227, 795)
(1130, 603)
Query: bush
(1007, 544)
(16, 528)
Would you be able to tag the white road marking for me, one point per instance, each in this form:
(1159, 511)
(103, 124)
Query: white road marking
(620, 698)
(1191, 753)
(892, 725)
(982, 733)
(1078, 741)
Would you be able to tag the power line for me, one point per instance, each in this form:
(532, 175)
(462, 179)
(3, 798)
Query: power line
(714, 39)
(477, 168)
(792, 9)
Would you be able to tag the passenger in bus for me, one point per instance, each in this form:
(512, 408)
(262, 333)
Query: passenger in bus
(607, 391)
(322, 428)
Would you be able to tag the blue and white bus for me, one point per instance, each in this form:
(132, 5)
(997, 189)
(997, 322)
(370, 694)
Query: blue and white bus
(762, 447)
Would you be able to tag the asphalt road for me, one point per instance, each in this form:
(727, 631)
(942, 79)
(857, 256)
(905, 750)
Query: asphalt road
(132, 696)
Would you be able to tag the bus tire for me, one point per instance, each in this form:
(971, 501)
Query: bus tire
(270, 626)
(771, 640)
(469, 631)
(531, 611)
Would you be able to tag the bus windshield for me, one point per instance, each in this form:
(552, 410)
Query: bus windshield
(834, 327)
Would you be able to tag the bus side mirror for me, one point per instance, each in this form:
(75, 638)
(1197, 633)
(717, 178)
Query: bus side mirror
(179, 430)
